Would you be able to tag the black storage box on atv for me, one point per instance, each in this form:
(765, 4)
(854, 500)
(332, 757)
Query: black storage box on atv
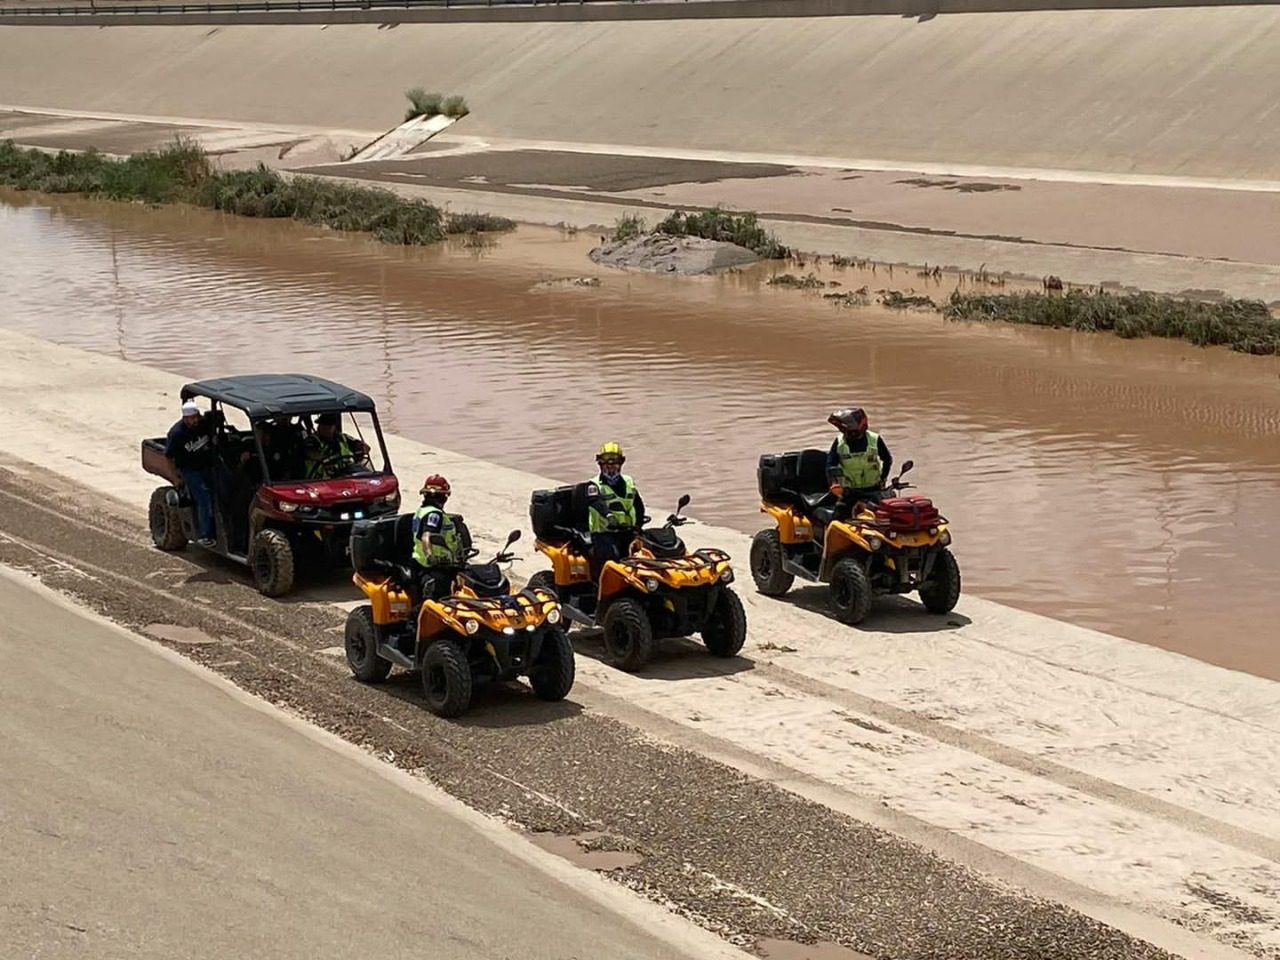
(782, 475)
(390, 539)
(554, 512)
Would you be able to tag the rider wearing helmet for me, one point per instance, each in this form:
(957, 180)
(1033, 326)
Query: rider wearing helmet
(614, 508)
(437, 542)
(858, 462)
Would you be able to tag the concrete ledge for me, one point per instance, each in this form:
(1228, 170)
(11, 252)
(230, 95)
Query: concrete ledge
(592, 11)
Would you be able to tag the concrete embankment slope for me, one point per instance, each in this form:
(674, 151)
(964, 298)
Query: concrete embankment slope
(1187, 92)
(1135, 785)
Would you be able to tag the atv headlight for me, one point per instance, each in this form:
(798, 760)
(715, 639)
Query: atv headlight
(652, 584)
(473, 627)
(286, 507)
(945, 539)
(554, 616)
(509, 631)
(874, 543)
(726, 575)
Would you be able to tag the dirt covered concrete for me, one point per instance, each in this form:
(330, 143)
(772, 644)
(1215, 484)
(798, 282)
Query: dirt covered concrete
(743, 858)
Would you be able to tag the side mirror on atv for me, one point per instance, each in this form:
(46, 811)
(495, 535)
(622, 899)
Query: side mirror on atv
(512, 537)
(906, 467)
(682, 503)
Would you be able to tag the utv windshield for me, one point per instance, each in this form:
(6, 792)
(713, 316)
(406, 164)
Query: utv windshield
(325, 446)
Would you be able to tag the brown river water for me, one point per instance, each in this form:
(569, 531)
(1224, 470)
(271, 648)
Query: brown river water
(1132, 486)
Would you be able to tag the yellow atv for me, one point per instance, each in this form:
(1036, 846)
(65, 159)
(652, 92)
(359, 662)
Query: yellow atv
(897, 544)
(482, 632)
(659, 590)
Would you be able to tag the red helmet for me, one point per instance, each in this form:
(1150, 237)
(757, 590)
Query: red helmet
(437, 485)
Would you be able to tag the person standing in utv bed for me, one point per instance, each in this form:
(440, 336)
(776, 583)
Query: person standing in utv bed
(858, 463)
(614, 509)
(189, 447)
(437, 542)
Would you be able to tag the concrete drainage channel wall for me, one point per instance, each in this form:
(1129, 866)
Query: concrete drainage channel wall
(1150, 91)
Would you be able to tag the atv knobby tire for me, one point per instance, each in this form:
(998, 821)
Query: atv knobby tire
(271, 559)
(544, 580)
(446, 679)
(725, 631)
(628, 635)
(362, 647)
(165, 521)
(551, 675)
(766, 564)
(850, 591)
(941, 592)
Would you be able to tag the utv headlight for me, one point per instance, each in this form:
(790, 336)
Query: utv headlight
(473, 627)
(652, 584)
(726, 575)
(554, 616)
(286, 507)
(390, 498)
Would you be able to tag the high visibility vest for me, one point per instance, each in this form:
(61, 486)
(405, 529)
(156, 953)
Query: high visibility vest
(318, 453)
(433, 554)
(620, 506)
(861, 470)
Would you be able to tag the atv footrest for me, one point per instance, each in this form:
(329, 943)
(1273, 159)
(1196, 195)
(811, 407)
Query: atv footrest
(387, 652)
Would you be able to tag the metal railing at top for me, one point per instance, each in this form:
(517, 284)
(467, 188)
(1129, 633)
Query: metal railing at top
(280, 6)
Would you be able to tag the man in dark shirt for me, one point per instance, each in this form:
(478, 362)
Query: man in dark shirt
(189, 448)
(858, 463)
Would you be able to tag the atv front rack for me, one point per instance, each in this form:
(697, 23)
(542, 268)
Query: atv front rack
(694, 561)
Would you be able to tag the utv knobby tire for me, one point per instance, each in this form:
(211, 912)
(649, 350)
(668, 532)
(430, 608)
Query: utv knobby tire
(850, 591)
(628, 635)
(165, 521)
(766, 564)
(544, 580)
(725, 631)
(551, 675)
(941, 592)
(446, 679)
(271, 559)
(362, 647)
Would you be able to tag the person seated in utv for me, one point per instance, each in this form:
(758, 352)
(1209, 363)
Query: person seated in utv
(614, 509)
(858, 463)
(438, 551)
(282, 460)
(330, 452)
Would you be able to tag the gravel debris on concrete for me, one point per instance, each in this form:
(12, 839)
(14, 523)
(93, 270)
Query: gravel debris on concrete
(741, 857)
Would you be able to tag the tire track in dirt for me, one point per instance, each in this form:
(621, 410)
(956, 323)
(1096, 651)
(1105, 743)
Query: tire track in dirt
(742, 857)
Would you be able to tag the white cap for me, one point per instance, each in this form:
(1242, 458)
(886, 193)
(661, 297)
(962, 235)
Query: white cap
(189, 409)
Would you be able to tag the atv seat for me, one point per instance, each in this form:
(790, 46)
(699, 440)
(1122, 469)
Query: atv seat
(559, 516)
(486, 579)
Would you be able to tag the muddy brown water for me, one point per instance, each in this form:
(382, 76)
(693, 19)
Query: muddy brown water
(1130, 486)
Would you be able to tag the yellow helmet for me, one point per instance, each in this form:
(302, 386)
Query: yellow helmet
(610, 452)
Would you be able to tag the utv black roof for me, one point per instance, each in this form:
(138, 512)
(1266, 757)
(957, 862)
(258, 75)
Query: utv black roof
(277, 394)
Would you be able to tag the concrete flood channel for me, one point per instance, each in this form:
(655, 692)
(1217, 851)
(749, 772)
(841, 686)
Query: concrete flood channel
(1127, 486)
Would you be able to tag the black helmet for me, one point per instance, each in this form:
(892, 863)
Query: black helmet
(849, 420)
